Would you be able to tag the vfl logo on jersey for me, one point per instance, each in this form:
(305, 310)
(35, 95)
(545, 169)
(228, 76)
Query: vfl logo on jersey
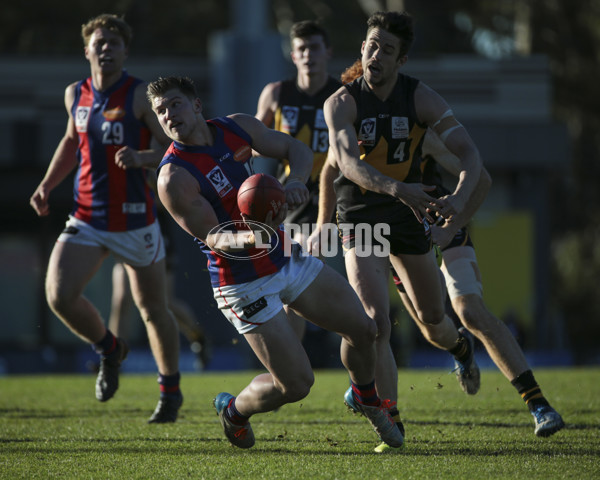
(366, 133)
(219, 181)
(289, 119)
(320, 119)
(114, 114)
(82, 116)
(400, 127)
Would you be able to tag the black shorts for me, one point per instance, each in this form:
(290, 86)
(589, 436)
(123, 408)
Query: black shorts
(461, 239)
(408, 238)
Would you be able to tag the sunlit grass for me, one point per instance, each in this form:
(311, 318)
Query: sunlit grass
(52, 427)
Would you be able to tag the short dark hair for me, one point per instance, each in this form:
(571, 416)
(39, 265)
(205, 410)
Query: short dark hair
(109, 21)
(306, 28)
(161, 86)
(399, 24)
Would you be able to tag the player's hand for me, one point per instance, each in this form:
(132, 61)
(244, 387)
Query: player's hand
(262, 234)
(128, 158)
(274, 221)
(415, 196)
(442, 235)
(453, 205)
(296, 193)
(39, 201)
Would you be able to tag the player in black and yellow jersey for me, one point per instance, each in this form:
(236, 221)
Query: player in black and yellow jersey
(377, 124)
(295, 106)
(381, 151)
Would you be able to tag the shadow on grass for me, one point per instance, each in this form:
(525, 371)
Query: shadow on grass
(197, 416)
(216, 446)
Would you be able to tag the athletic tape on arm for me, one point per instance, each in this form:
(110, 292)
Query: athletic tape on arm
(446, 124)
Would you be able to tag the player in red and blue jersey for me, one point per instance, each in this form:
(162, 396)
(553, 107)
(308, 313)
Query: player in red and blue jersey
(112, 135)
(253, 272)
(295, 106)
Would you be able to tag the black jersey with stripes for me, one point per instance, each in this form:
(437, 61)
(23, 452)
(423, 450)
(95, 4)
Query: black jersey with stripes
(301, 116)
(390, 138)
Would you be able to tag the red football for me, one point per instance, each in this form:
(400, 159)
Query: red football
(260, 194)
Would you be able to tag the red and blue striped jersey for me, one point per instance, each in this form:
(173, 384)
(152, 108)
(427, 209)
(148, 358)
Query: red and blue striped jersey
(220, 169)
(106, 196)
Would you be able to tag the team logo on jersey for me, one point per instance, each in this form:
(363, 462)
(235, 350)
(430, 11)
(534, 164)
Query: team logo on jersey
(366, 132)
(400, 127)
(320, 119)
(289, 119)
(114, 113)
(82, 116)
(219, 181)
(242, 154)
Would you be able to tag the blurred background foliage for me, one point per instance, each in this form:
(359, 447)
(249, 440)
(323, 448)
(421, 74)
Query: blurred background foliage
(567, 31)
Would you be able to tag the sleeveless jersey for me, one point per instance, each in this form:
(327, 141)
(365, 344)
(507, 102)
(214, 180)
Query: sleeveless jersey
(106, 196)
(390, 139)
(301, 116)
(220, 169)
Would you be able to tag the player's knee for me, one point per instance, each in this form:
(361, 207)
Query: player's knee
(58, 297)
(298, 388)
(432, 316)
(383, 328)
(366, 332)
(474, 315)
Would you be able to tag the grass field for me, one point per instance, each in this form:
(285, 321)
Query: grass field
(52, 427)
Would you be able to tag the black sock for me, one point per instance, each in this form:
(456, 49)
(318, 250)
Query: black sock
(529, 390)
(462, 349)
(107, 345)
(169, 385)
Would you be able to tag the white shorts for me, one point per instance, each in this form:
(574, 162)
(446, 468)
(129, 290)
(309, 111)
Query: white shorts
(139, 248)
(248, 305)
(462, 273)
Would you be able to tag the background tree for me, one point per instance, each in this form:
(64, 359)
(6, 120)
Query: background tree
(568, 32)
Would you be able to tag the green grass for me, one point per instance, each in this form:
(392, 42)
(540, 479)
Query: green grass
(52, 427)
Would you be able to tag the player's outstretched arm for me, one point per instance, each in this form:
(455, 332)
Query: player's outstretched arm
(433, 110)
(280, 146)
(327, 202)
(63, 161)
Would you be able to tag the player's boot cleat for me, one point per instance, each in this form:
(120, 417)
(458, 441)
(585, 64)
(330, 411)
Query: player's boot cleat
(467, 372)
(352, 404)
(385, 448)
(380, 419)
(107, 381)
(167, 409)
(547, 421)
(239, 435)
(350, 401)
